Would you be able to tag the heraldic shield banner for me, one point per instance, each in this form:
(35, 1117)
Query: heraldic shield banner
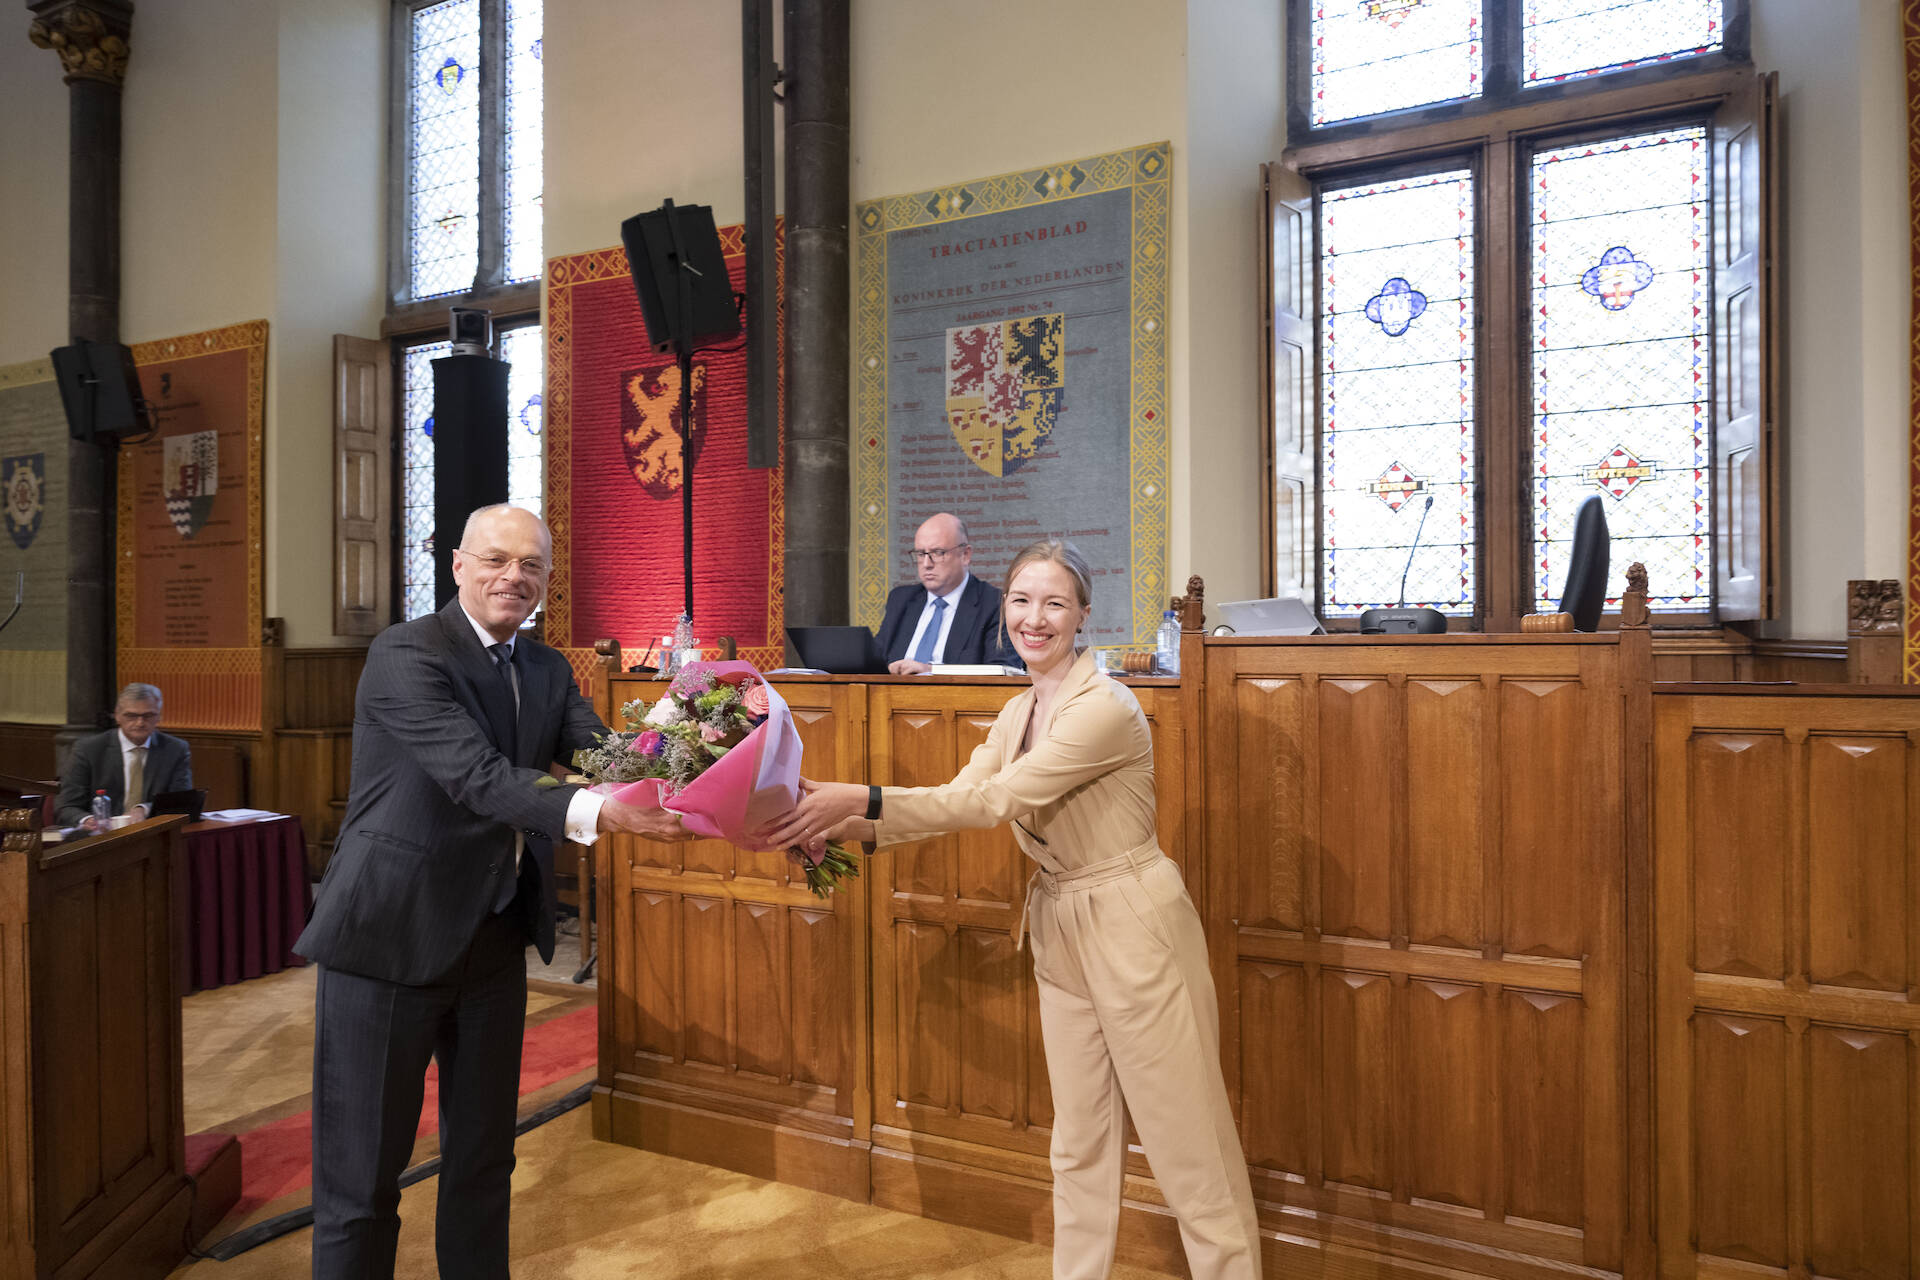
(26, 481)
(1011, 368)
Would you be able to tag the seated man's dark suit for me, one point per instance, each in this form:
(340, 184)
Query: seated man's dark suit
(421, 926)
(97, 765)
(975, 636)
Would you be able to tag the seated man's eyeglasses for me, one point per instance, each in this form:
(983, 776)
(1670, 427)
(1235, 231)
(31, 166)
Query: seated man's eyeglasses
(533, 568)
(933, 555)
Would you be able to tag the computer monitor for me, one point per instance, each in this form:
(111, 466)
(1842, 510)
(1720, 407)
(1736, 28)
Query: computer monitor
(190, 803)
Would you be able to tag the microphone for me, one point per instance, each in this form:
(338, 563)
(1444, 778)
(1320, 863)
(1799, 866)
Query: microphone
(1401, 620)
(1417, 531)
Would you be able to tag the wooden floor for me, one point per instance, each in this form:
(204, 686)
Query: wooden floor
(581, 1209)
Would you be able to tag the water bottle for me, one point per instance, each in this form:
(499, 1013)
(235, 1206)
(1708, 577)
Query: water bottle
(1167, 645)
(102, 807)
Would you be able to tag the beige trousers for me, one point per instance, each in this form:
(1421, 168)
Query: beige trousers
(1131, 1026)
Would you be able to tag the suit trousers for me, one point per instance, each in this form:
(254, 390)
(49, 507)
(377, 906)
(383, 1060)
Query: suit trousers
(372, 1042)
(1132, 1027)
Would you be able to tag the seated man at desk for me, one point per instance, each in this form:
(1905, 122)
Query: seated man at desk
(130, 763)
(947, 616)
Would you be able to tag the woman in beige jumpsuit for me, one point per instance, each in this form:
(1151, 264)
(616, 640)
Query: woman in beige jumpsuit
(1127, 1006)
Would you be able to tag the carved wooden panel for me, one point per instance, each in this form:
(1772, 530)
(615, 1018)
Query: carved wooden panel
(1787, 860)
(1418, 914)
(957, 1050)
(736, 987)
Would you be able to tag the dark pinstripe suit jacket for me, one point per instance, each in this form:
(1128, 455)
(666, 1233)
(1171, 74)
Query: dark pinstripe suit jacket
(437, 795)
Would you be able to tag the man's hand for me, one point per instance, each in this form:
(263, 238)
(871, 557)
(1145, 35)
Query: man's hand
(640, 820)
(908, 667)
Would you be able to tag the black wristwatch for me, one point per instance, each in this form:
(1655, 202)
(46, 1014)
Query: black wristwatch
(873, 803)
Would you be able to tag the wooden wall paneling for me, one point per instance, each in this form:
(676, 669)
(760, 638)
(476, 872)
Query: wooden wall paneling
(1424, 940)
(730, 1003)
(16, 1057)
(1786, 1066)
(27, 750)
(320, 687)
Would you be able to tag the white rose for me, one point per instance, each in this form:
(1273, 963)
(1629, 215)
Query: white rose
(665, 712)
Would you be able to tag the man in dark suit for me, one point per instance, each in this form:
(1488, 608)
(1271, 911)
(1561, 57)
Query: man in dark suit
(132, 763)
(441, 875)
(948, 615)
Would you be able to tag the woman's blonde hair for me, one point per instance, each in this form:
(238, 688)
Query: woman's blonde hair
(1060, 552)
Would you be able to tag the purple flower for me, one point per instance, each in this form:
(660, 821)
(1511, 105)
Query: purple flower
(650, 743)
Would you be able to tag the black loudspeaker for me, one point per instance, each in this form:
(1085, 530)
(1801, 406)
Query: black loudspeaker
(100, 390)
(667, 247)
(469, 452)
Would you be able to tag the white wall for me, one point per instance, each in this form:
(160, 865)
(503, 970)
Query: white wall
(1842, 84)
(33, 199)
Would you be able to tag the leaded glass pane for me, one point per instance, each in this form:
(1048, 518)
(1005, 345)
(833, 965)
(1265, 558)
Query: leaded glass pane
(1622, 360)
(416, 461)
(1569, 39)
(443, 182)
(526, 425)
(1396, 389)
(1372, 56)
(523, 123)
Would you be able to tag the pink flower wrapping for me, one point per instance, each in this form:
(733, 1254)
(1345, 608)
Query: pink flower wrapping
(743, 791)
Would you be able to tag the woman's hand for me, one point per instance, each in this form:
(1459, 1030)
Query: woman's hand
(823, 807)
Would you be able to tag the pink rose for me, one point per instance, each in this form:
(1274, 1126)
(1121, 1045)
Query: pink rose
(712, 734)
(648, 743)
(754, 700)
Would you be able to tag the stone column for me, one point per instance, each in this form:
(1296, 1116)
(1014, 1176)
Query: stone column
(91, 38)
(819, 208)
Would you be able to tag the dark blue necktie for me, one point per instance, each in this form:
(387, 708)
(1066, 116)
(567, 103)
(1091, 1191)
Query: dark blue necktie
(923, 652)
(503, 668)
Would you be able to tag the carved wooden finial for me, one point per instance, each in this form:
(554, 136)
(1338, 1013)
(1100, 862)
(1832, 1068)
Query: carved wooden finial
(1875, 606)
(273, 633)
(89, 35)
(1633, 604)
(20, 831)
(1191, 607)
(607, 653)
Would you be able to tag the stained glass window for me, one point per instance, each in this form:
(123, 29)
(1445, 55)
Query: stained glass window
(526, 426)
(1397, 394)
(1373, 56)
(523, 117)
(1569, 39)
(444, 179)
(416, 465)
(1622, 360)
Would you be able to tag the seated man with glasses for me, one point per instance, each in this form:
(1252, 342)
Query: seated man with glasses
(948, 616)
(131, 763)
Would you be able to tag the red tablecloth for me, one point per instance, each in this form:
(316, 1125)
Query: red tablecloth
(247, 898)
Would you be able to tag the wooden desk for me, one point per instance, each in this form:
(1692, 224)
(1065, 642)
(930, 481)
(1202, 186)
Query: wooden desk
(1528, 966)
(92, 1145)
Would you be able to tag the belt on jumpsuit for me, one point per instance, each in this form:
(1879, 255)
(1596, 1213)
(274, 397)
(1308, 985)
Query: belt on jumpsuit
(1055, 883)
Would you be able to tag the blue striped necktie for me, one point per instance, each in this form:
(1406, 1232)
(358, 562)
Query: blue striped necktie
(923, 652)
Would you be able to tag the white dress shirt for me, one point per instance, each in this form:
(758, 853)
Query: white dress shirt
(946, 620)
(126, 772)
(583, 811)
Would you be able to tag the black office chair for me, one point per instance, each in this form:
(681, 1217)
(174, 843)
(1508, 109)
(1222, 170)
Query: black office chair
(1586, 591)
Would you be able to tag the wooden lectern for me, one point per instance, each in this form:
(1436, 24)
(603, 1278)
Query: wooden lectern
(92, 1140)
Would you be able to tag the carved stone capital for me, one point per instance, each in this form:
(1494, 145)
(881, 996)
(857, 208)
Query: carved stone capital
(89, 35)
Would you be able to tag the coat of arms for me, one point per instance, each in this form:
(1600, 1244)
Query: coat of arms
(189, 476)
(1006, 385)
(26, 481)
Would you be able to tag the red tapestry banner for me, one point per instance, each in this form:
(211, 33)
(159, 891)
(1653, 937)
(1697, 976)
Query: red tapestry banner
(614, 474)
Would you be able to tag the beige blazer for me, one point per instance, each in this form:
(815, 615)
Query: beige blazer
(1083, 794)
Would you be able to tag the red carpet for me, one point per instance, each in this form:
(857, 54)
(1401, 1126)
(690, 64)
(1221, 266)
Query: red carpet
(277, 1158)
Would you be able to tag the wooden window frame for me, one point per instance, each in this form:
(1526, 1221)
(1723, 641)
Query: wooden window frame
(1497, 143)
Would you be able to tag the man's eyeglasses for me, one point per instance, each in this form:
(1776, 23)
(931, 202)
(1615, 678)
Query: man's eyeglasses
(933, 555)
(532, 567)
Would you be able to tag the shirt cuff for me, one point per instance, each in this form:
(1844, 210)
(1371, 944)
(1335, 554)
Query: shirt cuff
(583, 816)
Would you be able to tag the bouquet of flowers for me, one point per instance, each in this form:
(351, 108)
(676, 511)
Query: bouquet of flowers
(720, 749)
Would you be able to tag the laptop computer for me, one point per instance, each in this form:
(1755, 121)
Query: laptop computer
(841, 651)
(1285, 616)
(187, 802)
